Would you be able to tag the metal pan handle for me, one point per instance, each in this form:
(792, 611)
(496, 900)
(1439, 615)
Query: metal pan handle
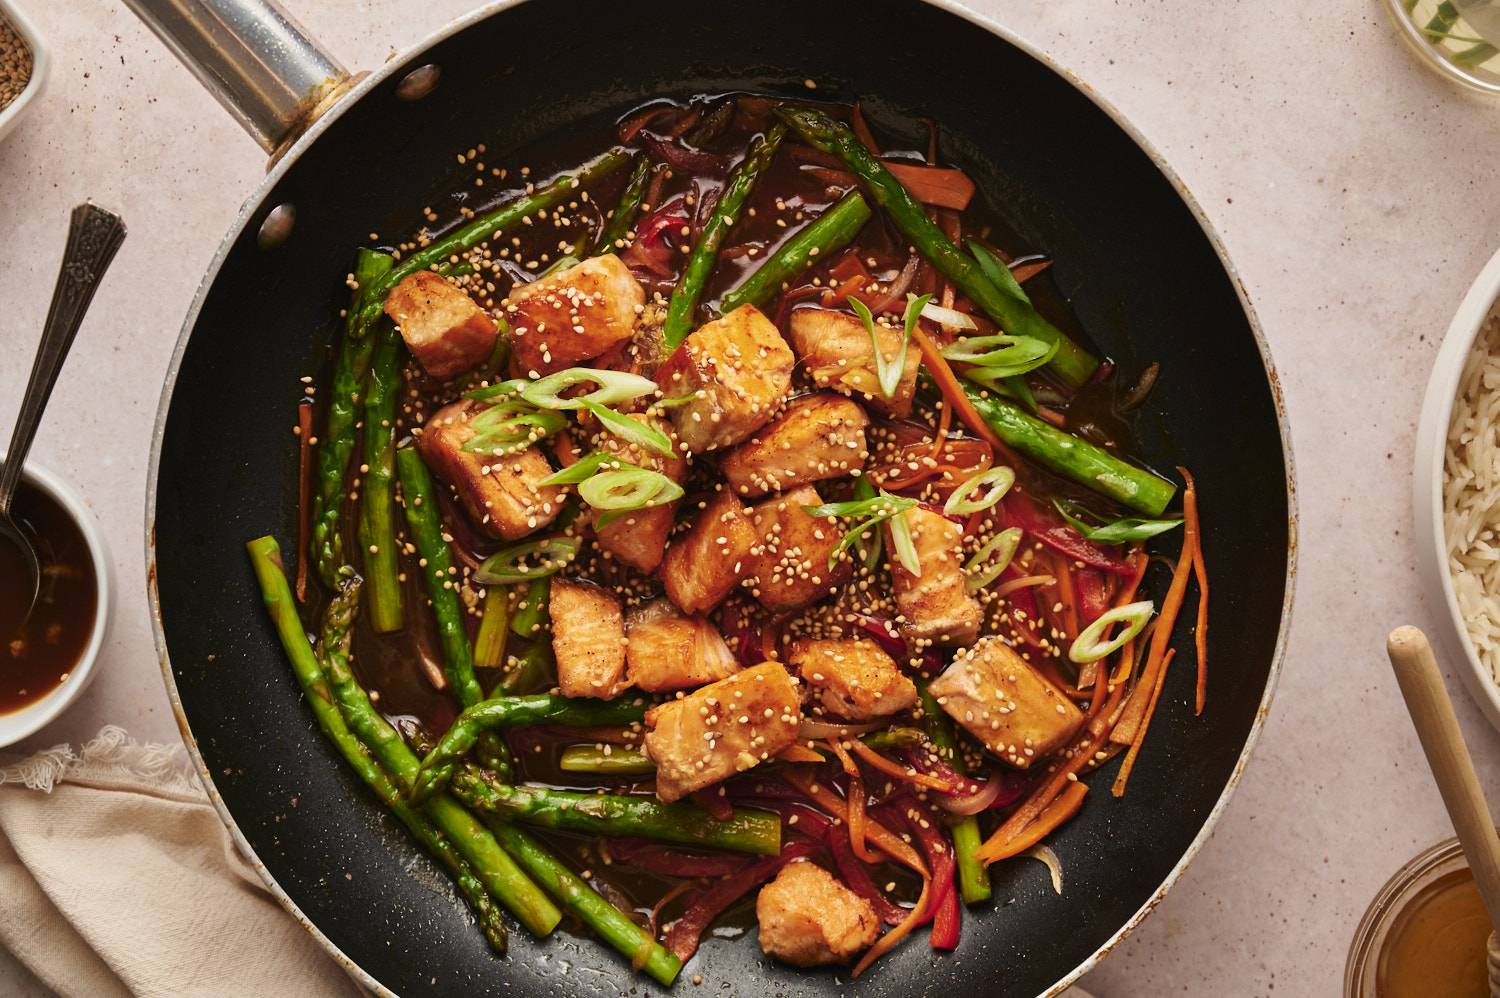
(263, 66)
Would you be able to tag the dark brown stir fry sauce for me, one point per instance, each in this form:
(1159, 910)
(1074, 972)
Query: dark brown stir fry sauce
(37, 655)
(405, 669)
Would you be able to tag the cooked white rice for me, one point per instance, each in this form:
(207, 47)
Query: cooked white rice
(1471, 495)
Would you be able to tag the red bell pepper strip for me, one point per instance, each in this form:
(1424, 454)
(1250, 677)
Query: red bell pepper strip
(685, 933)
(856, 875)
(1021, 512)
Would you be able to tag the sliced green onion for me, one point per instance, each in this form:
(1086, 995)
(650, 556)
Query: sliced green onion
(1121, 531)
(854, 535)
(560, 264)
(584, 467)
(629, 489)
(888, 373)
(980, 571)
(883, 504)
(498, 434)
(995, 269)
(998, 479)
(643, 435)
(950, 317)
(674, 401)
(998, 357)
(502, 390)
(614, 386)
(903, 545)
(527, 562)
(1090, 646)
(874, 541)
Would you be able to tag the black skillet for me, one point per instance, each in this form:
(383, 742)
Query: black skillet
(1134, 255)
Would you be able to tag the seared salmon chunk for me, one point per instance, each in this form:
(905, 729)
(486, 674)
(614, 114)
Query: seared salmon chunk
(852, 678)
(808, 918)
(736, 369)
(709, 559)
(816, 437)
(501, 494)
(573, 315)
(1004, 702)
(788, 567)
(668, 650)
(724, 728)
(442, 327)
(588, 639)
(936, 605)
(836, 351)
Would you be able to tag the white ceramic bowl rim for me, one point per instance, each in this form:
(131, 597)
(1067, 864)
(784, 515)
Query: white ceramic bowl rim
(30, 719)
(40, 62)
(1432, 436)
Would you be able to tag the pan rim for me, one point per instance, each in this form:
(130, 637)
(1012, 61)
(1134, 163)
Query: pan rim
(254, 202)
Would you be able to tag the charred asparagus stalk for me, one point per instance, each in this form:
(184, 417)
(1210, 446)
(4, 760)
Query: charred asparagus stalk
(512, 712)
(727, 212)
(831, 232)
(617, 226)
(756, 832)
(1072, 457)
(426, 523)
(377, 525)
(1071, 362)
(337, 442)
(482, 872)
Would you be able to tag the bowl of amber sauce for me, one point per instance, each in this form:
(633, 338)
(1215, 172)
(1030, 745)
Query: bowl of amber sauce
(1425, 934)
(47, 656)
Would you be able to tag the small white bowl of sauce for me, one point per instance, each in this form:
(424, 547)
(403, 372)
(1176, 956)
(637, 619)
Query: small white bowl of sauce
(47, 660)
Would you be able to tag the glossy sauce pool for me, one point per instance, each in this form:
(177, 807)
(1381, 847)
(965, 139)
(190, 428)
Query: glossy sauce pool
(37, 656)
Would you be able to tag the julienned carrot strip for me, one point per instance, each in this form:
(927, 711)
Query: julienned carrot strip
(1095, 730)
(1126, 594)
(799, 753)
(892, 844)
(304, 496)
(862, 129)
(1026, 271)
(897, 771)
(885, 943)
(855, 803)
(1166, 621)
(953, 392)
(1123, 777)
(1063, 807)
(933, 456)
(1066, 596)
(1200, 573)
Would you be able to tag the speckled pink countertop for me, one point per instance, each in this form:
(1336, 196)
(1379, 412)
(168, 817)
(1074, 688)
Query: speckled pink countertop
(1356, 193)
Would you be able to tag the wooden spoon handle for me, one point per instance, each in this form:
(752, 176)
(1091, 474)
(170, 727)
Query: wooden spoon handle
(1452, 768)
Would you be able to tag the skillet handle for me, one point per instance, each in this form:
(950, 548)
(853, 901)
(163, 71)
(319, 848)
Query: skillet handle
(267, 71)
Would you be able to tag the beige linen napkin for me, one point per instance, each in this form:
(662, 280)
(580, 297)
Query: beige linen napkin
(118, 878)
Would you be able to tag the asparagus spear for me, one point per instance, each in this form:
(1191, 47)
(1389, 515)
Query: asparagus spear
(467, 236)
(514, 712)
(1071, 362)
(426, 524)
(473, 867)
(612, 924)
(756, 832)
(1071, 457)
(534, 669)
(973, 877)
(337, 443)
(377, 527)
(727, 212)
(531, 615)
(611, 760)
(489, 643)
(612, 233)
(830, 232)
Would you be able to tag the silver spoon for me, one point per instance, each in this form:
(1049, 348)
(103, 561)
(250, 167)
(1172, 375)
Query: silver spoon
(93, 237)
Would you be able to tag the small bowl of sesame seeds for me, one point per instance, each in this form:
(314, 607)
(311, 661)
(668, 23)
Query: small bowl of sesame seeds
(23, 65)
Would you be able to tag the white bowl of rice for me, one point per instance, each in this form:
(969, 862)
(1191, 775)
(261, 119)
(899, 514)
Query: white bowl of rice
(1457, 487)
